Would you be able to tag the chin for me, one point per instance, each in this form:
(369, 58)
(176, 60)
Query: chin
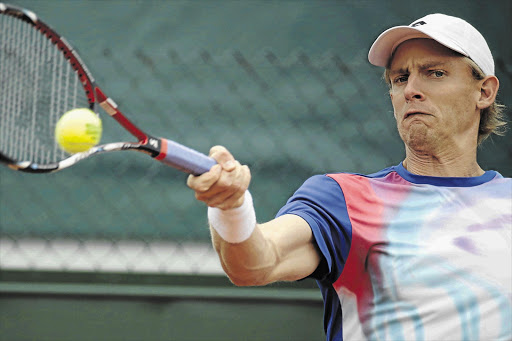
(420, 139)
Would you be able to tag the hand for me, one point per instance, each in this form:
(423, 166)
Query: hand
(225, 184)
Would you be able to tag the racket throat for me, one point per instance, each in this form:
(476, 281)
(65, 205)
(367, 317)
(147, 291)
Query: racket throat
(110, 108)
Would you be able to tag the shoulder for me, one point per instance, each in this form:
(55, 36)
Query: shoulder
(318, 185)
(329, 183)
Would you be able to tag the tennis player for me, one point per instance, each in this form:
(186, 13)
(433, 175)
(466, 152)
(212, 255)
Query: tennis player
(417, 251)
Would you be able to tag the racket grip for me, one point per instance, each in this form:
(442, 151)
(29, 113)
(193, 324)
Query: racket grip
(184, 158)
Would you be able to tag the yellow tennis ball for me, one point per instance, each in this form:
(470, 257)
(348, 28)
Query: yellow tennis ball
(78, 130)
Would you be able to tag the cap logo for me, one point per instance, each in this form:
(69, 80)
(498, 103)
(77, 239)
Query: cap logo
(418, 23)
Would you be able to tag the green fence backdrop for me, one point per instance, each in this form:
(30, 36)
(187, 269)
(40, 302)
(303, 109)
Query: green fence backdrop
(285, 85)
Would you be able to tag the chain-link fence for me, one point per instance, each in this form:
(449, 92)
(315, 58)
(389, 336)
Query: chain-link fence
(287, 111)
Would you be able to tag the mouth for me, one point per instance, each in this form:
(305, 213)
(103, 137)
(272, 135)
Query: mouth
(414, 113)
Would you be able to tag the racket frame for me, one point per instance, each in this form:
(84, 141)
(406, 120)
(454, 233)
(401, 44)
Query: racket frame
(167, 151)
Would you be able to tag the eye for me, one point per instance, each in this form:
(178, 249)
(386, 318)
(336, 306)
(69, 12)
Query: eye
(400, 79)
(437, 73)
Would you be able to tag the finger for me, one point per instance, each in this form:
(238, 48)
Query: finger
(229, 190)
(204, 182)
(233, 180)
(219, 185)
(228, 202)
(223, 157)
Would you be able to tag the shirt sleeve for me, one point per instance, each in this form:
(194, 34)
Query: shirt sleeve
(320, 201)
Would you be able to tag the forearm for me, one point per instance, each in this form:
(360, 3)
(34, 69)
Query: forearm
(245, 254)
(249, 263)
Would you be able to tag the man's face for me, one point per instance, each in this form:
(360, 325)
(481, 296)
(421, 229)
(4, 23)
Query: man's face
(434, 97)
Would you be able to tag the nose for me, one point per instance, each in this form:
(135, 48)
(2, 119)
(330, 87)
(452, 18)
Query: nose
(413, 90)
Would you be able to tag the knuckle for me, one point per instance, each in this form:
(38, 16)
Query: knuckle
(246, 170)
(225, 183)
(202, 189)
(190, 181)
(238, 187)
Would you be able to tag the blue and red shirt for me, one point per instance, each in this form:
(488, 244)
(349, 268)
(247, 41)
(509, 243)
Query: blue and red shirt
(409, 257)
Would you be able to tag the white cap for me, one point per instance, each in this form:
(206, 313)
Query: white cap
(452, 32)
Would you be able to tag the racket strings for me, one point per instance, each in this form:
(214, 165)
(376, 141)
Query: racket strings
(37, 85)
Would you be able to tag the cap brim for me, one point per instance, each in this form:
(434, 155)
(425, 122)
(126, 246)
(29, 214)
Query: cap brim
(386, 43)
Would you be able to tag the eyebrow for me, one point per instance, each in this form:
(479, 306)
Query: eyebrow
(422, 67)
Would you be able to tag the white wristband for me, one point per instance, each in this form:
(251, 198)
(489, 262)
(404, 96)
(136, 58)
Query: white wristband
(234, 225)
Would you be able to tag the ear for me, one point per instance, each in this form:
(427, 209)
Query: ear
(488, 92)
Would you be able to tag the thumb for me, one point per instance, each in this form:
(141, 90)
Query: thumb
(223, 157)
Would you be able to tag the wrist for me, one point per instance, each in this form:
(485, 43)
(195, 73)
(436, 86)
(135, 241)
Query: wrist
(234, 225)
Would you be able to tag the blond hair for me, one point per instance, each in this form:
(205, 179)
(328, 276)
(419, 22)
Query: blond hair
(492, 118)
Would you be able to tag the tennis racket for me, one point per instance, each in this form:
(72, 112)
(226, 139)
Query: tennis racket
(41, 78)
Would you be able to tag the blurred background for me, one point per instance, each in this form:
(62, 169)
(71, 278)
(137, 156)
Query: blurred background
(117, 248)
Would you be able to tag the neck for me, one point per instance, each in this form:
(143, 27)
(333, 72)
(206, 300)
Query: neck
(464, 165)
